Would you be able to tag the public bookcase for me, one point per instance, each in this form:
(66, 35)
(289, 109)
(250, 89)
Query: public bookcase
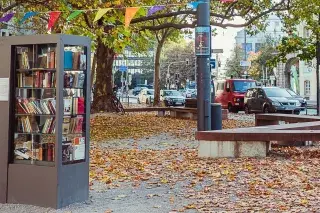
(45, 112)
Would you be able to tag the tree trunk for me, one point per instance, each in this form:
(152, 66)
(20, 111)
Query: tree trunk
(103, 91)
(94, 67)
(156, 101)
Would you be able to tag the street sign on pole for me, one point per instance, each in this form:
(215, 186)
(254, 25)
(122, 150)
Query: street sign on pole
(123, 68)
(213, 63)
(245, 63)
(217, 51)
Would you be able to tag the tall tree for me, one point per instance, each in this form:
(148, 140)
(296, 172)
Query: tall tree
(233, 67)
(176, 54)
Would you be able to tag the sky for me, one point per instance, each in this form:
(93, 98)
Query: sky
(225, 39)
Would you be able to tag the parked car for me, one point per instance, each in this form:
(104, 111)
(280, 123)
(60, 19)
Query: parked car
(146, 96)
(230, 93)
(270, 100)
(295, 96)
(172, 97)
(191, 93)
(137, 90)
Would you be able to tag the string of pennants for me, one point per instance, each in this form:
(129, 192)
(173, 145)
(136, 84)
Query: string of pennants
(130, 12)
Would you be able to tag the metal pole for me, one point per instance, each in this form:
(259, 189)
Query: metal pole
(245, 50)
(168, 75)
(203, 71)
(317, 69)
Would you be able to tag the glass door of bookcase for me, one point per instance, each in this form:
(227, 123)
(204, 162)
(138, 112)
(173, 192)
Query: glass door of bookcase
(34, 73)
(74, 99)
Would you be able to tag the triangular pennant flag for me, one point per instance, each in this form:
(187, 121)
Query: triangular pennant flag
(155, 9)
(28, 15)
(53, 18)
(7, 17)
(130, 13)
(74, 15)
(193, 5)
(100, 13)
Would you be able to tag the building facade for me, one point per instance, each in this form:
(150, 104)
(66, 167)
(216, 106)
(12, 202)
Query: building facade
(299, 76)
(253, 43)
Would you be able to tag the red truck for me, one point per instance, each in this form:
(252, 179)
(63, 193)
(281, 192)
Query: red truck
(230, 93)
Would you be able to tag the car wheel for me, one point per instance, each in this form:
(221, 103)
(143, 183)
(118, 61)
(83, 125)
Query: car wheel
(246, 109)
(232, 109)
(266, 109)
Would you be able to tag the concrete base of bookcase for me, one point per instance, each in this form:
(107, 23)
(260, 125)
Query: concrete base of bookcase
(27, 184)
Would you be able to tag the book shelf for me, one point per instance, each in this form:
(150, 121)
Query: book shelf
(49, 109)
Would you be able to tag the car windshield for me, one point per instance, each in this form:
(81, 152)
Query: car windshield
(276, 92)
(291, 92)
(171, 93)
(242, 86)
(150, 92)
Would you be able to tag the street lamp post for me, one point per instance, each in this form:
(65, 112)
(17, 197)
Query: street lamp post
(168, 71)
(203, 69)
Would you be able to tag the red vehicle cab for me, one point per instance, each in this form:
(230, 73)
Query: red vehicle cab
(230, 93)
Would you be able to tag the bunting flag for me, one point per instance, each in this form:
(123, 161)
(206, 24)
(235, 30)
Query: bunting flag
(53, 18)
(27, 16)
(155, 9)
(100, 13)
(74, 15)
(7, 17)
(194, 4)
(130, 13)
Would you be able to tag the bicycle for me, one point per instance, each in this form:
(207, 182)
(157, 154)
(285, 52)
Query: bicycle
(117, 105)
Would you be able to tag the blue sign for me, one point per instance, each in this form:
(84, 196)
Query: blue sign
(123, 69)
(213, 63)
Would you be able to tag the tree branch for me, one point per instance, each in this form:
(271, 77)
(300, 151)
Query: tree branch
(219, 24)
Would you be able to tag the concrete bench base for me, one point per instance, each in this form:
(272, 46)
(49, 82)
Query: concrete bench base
(233, 149)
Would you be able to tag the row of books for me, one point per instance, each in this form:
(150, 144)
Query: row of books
(75, 60)
(46, 60)
(37, 79)
(44, 152)
(72, 124)
(33, 106)
(23, 60)
(73, 106)
(30, 125)
(74, 80)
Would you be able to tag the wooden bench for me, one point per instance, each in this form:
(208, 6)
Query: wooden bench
(255, 141)
(175, 112)
(161, 110)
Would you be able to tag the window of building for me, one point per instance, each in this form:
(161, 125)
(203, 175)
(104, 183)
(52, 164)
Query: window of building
(3, 34)
(307, 87)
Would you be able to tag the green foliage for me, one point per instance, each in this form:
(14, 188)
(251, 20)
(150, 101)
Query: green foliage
(304, 14)
(233, 63)
(178, 53)
(305, 47)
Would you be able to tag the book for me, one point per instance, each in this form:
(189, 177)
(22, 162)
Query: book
(68, 59)
(67, 106)
(76, 61)
(83, 62)
(74, 80)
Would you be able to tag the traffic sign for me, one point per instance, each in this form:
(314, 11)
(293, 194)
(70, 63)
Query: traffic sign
(216, 50)
(213, 63)
(123, 68)
(245, 63)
